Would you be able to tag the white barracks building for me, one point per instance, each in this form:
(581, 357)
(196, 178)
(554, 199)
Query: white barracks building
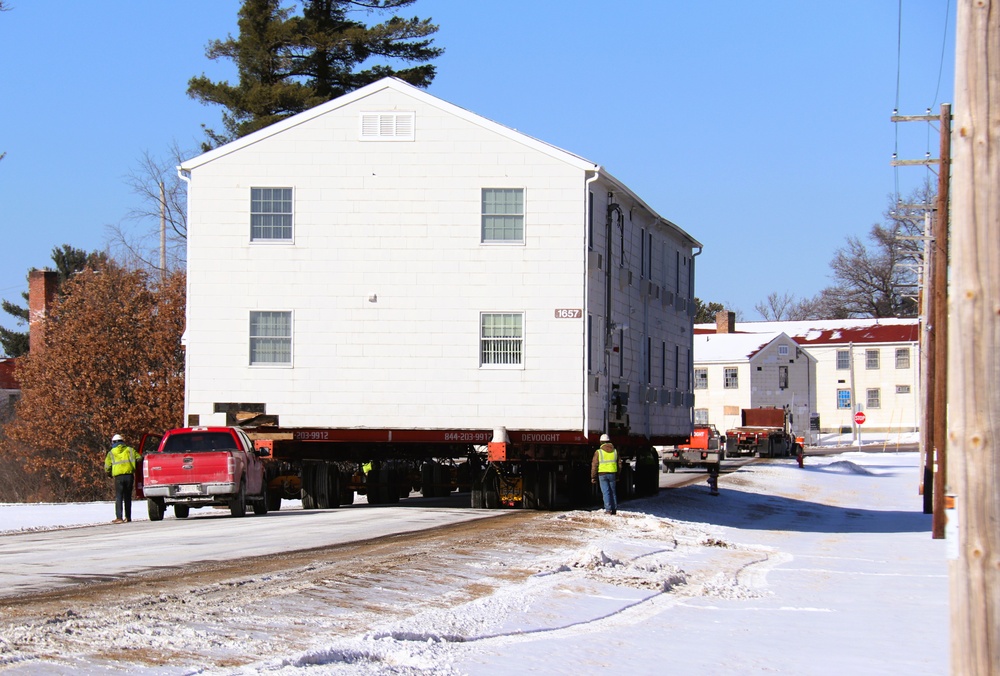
(390, 261)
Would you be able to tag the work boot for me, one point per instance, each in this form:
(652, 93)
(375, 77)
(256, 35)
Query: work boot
(117, 521)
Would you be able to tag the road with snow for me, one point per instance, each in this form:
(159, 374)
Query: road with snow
(824, 570)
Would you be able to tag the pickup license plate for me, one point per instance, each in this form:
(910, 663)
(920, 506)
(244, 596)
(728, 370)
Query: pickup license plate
(189, 489)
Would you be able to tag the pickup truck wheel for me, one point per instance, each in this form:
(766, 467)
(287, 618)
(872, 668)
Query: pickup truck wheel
(182, 511)
(260, 504)
(238, 505)
(155, 508)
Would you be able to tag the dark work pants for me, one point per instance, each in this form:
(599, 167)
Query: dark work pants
(123, 495)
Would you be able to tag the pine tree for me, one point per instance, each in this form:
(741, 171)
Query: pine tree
(288, 64)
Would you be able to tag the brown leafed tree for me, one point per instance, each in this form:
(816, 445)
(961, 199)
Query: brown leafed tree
(112, 363)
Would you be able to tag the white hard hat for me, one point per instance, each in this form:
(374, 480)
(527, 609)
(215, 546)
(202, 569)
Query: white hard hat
(605, 437)
(117, 437)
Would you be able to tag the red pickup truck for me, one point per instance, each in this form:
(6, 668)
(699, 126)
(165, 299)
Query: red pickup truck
(202, 467)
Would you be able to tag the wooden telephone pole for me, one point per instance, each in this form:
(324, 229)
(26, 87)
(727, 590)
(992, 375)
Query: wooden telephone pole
(974, 367)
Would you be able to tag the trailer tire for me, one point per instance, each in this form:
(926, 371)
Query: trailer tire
(389, 488)
(155, 507)
(273, 500)
(478, 496)
(321, 485)
(238, 505)
(308, 491)
(429, 474)
(491, 489)
(346, 496)
(625, 489)
(260, 504)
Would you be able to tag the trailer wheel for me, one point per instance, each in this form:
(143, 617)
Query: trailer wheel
(478, 500)
(429, 475)
(238, 505)
(346, 496)
(321, 485)
(308, 491)
(389, 488)
(546, 484)
(182, 511)
(491, 489)
(155, 508)
(260, 504)
(273, 499)
(626, 483)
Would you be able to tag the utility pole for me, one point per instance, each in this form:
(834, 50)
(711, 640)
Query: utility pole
(934, 347)
(163, 233)
(974, 398)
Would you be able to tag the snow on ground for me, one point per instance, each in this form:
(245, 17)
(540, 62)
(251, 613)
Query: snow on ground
(827, 569)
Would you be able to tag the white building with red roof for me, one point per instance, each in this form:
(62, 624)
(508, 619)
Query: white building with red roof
(866, 365)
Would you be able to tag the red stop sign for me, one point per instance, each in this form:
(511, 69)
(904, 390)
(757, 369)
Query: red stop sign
(860, 418)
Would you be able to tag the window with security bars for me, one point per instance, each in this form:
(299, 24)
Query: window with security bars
(902, 357)
(270, 338)
(873, 398)
(843, 360)
(270, 214)
(871, 359)
(501, 340)
(701, 379)
(503, 215)
(701, 416)
(731, 379)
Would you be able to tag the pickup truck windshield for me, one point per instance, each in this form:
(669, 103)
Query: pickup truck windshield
(199, 442)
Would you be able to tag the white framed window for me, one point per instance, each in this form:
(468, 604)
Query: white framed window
(731, 378)
(782, 350)
(872, 359)
(701, 416)
(843, 360)
(270, 338)
(844, 399)
(501, 339)
(873, 398)
(701, 379)
(902, 357)
(271, 214)
(503, 215)
(902, 389)
(391, 125)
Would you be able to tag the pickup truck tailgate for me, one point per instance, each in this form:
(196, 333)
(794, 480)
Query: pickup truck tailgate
(187, 468)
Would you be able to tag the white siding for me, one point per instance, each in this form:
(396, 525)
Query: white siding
(399, 222)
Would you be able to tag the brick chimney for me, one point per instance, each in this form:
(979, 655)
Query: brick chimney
(41, 291)
(725, 322)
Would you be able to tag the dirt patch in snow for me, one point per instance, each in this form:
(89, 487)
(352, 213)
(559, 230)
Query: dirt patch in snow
(458, 583)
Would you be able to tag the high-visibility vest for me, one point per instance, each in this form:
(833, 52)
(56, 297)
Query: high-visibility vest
(121, 459)
(607, 461)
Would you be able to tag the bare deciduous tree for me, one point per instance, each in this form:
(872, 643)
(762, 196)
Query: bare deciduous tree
(136, 240)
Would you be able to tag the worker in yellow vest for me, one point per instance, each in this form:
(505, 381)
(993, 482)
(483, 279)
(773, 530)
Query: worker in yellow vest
(604, 469)
(120, 464)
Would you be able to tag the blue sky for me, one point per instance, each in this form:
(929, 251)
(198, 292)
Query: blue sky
(759, 126)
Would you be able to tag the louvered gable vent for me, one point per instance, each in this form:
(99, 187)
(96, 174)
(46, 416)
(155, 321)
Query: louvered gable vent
(389, 126)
